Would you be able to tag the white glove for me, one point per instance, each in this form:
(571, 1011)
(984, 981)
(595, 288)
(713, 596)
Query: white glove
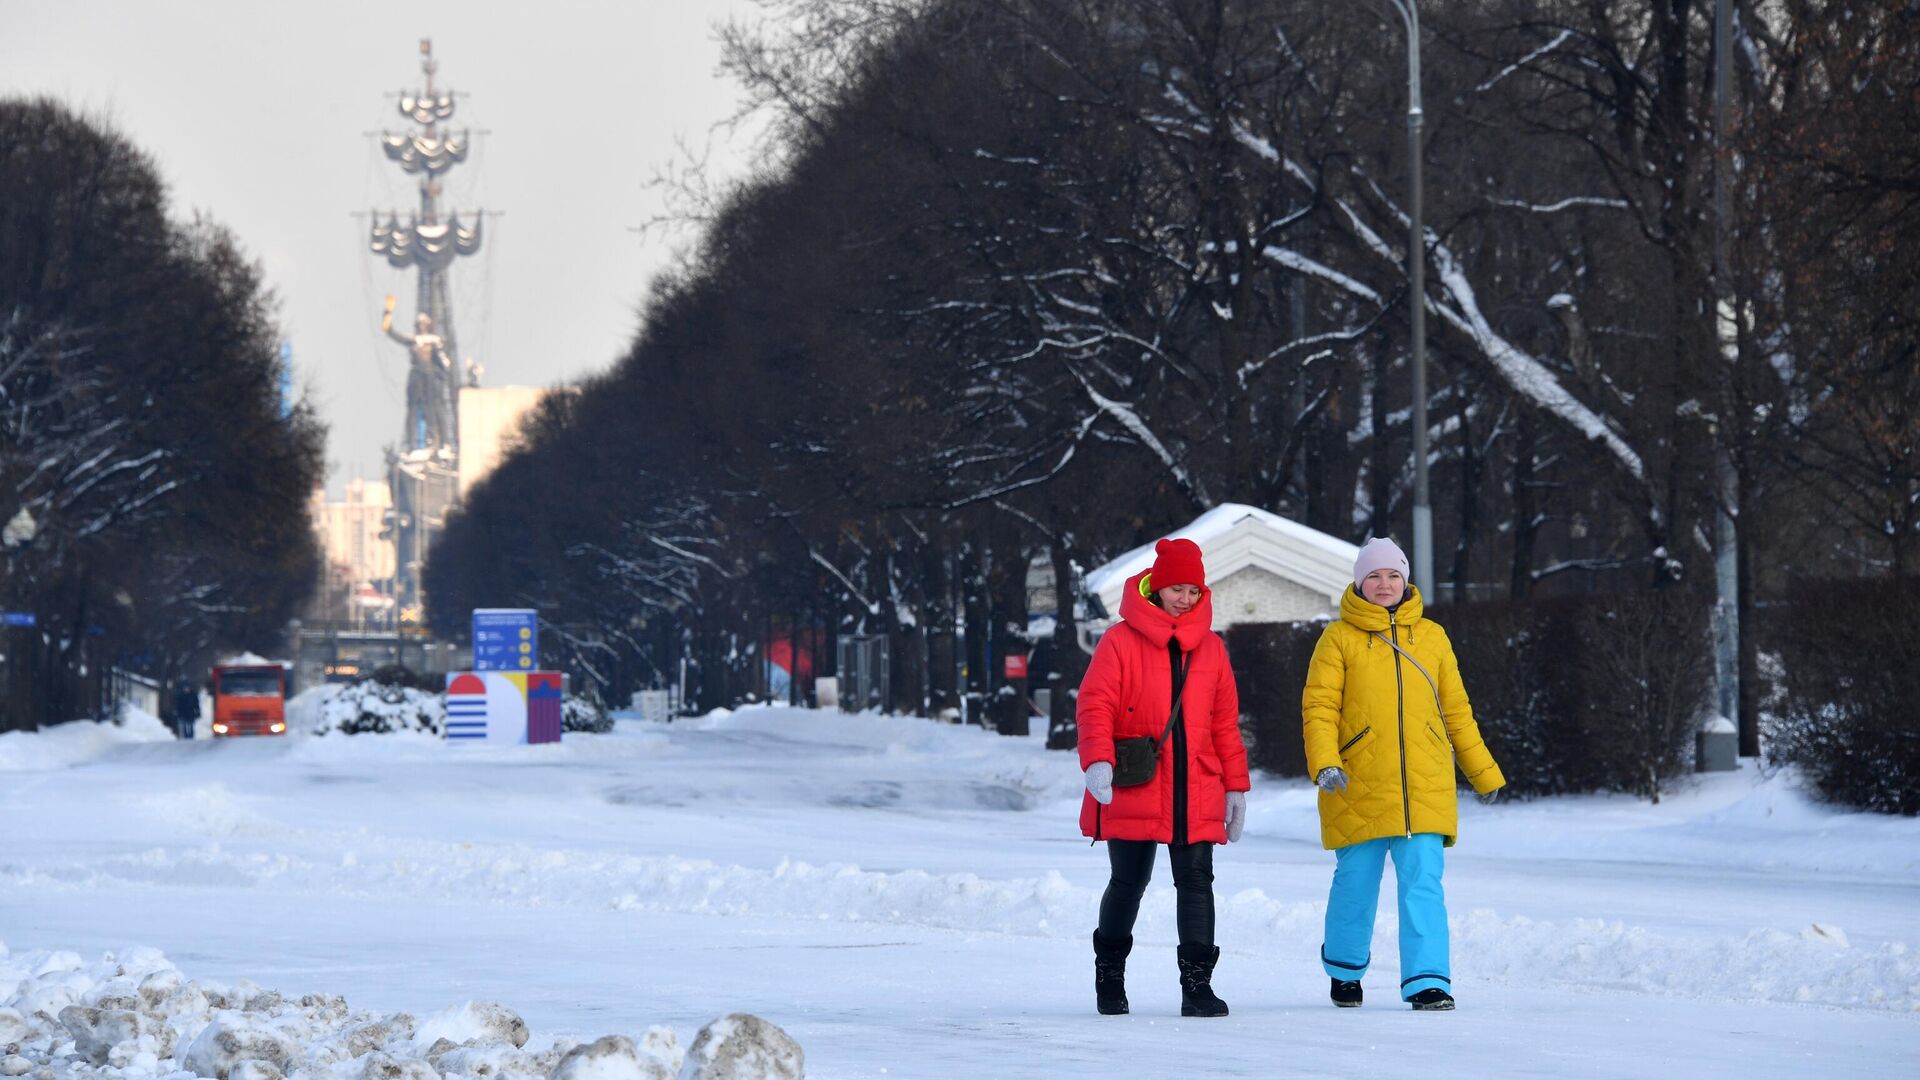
(1236, 815)
(1332, 778)
(1100, 782)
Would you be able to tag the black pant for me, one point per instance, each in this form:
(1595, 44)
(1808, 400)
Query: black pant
(1192, 885)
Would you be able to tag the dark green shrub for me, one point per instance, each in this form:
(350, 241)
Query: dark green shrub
(1270, 668)
(1643, 686)
(1513, 660)
(1848, 691)
(1600, 692)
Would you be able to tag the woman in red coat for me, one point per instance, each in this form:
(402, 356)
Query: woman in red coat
(1196, 797)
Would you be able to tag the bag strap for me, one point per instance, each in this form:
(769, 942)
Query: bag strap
(1179, 682)
(1435, 687)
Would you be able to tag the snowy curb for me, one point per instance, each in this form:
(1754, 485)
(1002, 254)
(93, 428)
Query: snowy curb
(1750, 964)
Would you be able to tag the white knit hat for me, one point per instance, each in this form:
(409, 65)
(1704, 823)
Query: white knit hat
(1379, 553)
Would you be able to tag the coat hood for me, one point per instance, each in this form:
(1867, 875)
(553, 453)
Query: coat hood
(1157, 624)
(1367, 615)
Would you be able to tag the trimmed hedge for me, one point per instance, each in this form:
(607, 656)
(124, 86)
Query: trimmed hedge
(1846, 690)
(1600, 692)
(1514, 661)
(1270, 667)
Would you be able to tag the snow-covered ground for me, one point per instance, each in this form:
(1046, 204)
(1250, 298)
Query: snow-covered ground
(905, 899)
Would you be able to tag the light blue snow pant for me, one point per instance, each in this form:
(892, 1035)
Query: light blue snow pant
(1348, 946)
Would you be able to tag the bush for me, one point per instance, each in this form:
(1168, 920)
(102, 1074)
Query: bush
(370, 706)
(1600, 692)
(584, 714)
(1849, 692)
(1644, 686)
(1515, 663)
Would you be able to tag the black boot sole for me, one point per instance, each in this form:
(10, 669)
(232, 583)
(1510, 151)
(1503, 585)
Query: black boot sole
(1109, 1009)
(1444, 1006)
(1351, 1005)
(1189, 1010)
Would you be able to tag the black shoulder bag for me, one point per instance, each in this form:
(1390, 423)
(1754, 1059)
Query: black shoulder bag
(1135, 760)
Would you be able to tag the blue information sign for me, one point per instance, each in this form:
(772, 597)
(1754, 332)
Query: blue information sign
(505, 639)
(17, 618)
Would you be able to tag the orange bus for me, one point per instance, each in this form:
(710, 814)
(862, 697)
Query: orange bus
(249, 699)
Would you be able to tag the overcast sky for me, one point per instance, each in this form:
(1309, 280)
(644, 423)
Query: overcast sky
(257, 112)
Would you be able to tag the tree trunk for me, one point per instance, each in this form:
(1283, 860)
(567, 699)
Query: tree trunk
(1525, 513)
(1008, 576)
(1469, 505)
(1380, 471)
(942, 686)
(977, 632)
(1748, 642)
(1069, 663)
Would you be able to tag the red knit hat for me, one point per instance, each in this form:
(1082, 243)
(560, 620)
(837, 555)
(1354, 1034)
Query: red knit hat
(1176, 562)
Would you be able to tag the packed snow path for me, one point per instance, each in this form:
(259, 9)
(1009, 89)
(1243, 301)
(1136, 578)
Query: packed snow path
(910, 899)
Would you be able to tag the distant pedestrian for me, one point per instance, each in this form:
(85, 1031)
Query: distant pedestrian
(1384, 714)
(1159, 700)
(186, 708)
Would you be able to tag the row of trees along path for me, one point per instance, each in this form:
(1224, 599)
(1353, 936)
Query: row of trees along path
(154, 487)
(1027, 280)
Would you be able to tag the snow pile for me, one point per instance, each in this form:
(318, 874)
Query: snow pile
(1810, 964)
(303, 708)
(1816, 965)
(64, 745)
(616, 1057)
(1736, 819)
(370, 707)
(136, 1016)
(743, 1046)
(911, 762)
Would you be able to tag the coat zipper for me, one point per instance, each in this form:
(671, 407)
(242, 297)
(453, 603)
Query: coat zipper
(1349, 743)
(1182, 775)
(1400, 711)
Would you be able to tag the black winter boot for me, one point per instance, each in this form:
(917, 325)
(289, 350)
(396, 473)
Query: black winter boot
(1346, 993)
(1196, 981)
(1110, 973)
(1432, 999)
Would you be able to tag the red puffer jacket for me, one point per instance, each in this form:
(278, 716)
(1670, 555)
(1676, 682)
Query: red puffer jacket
(1128, 692)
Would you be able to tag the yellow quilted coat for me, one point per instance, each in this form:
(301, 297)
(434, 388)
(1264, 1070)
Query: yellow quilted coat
(1368, 709)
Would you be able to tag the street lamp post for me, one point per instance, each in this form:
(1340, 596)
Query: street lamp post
(1417, 302)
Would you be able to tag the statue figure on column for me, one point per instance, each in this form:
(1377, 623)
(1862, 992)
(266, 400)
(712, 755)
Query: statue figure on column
(430, 376)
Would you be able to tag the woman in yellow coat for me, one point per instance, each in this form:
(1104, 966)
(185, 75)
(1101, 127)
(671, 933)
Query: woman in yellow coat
(1384, 717)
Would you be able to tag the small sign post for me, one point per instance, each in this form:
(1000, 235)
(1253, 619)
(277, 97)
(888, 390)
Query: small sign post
(505, 639)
